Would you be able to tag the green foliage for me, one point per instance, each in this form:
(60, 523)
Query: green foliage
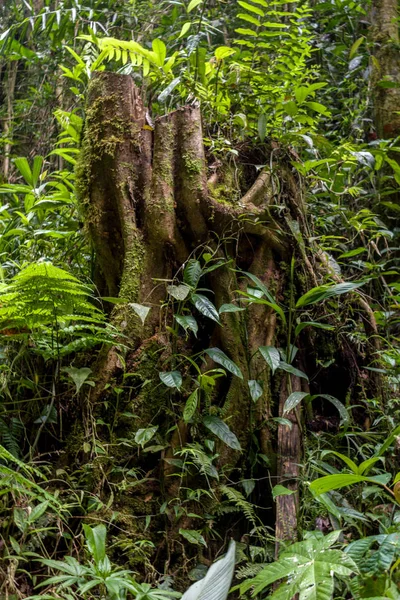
(51, 306)
(308, 568)
(78, 580)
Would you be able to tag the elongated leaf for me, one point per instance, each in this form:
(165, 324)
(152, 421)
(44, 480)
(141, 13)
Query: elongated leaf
(337, 481)
(192, 4)
(191, 406)
(355, 46)
(367, 464)
(205, 307)
(251, 8)
(172, 379)
(304, 324)
(222, 431)
(227, 308)
(271, 356)
(262, 126)
(192, 273)
(344, 413)
(256, 390)
(346, 459)
(193, 536)
(36, 169)
(216, 584)
(160, 51)
(293, 400)
(96, 541)
(222, 359)
(290, 369)
(25, 170)
(322, 292)
(260, 285)
(165, 94)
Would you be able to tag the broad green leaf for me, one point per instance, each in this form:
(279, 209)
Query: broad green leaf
(322, 292)
(192, 5)
(222, 431)
(143, 436)
(185, 28)
(271, 356)
(293, 400)
(249, 19)
(205, 307)
(316, 107)
(216, 584)
(187, 322)
(251, 8)
(78, 376)
(191, 406)
(160, 50)
(96, 541)
(179, 292)
(38, 511)
(172, 379)
(248, 485)
(140, 310)
(290, 369)
(255, 388)
(222, 359)
(223, 52)
(281, 490)
(290, 108)
(193, 536)
(337, 481)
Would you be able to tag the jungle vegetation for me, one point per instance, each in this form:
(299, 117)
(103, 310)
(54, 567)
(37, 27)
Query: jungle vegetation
(199, 299)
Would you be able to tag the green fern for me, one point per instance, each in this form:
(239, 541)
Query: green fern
(54, 308)
(10, 435)
(240, 503)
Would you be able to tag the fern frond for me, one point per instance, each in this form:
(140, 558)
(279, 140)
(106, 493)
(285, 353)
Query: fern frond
(240, 502)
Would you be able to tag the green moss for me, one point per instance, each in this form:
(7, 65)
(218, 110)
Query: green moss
(192, 164)
(228, 190)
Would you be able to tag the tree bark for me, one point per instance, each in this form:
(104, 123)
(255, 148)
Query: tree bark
(385, 34)
(149, 209)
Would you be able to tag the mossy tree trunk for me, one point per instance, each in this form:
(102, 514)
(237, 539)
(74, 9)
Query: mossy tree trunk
(386, 79)
(149, 210)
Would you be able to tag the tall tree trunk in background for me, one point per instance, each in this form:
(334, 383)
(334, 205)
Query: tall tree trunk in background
(386, 78)
(149, 210)
(8, 123)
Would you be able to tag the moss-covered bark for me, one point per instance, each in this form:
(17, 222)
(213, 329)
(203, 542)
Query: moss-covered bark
(386, 71)
(150, 204)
